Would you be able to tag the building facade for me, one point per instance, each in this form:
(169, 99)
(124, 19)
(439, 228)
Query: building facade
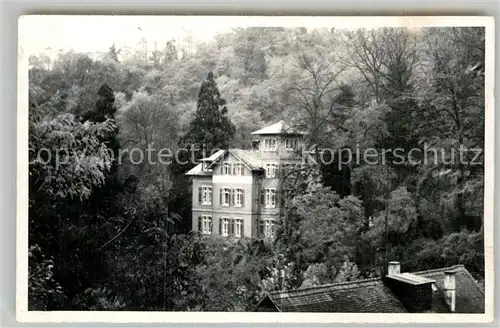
(236, 192)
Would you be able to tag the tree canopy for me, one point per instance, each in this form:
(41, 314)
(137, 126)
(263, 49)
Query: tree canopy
(110, 234)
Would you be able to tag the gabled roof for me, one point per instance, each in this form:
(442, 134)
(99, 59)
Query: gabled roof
(215, 156)
(198, 171)
(371, 295)
(250, 159)
(469, 296)
(278, 128)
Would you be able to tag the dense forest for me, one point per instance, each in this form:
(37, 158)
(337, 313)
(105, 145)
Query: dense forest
(107, 234)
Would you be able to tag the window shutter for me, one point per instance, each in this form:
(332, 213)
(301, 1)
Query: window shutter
(211, 226)
(262, 197)
(200, 228)
(220, 194)
(220, 226)
(243, 197)
(231, 226)
(200, 191)
(242, 225)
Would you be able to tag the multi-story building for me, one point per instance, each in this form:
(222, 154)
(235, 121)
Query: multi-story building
(236, 191)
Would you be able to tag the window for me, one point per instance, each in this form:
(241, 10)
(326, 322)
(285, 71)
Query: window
(224, 227)
(269, 228)
(271, 170)
(205, 224)
(239, 198)
(232, 168)
(232, 197)
(238, 227)
(290, 144)
(205, 195)
(227, 168)
(266, 228)
(270, 198)
(270, 144)
(238, 169)
(231, 227)
(225, 199)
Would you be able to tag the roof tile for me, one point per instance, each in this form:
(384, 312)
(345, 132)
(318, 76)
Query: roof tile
(369, 295)
(250, 157)
(214, 156)
(469, 295)
(372, 296)
(198, 171)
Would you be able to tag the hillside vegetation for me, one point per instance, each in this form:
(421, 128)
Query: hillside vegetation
(114, 235)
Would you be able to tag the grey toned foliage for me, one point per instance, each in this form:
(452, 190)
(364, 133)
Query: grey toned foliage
(114, 236)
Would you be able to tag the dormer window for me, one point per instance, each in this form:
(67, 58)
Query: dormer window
(270, 144)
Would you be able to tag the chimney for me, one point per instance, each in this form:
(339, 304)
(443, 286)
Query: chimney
(394, 267)
(449, 289)
(415, 292)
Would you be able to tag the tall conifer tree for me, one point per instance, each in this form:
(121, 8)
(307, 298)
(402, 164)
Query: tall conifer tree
(211, 128)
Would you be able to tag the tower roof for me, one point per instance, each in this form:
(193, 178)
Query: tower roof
(278, 128)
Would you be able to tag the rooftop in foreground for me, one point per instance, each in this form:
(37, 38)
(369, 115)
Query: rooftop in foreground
(375, 296)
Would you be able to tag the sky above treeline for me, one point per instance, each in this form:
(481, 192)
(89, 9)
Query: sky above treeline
(88, 34)
(92, 34)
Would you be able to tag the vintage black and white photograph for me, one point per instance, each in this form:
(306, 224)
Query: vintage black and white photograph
(231, 164)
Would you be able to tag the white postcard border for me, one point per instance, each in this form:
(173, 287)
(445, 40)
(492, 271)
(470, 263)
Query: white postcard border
(22, 313)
